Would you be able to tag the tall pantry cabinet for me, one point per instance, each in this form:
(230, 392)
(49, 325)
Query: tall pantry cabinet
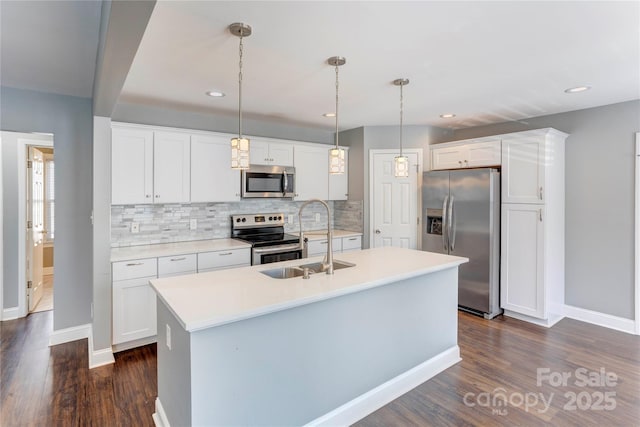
(532, 229)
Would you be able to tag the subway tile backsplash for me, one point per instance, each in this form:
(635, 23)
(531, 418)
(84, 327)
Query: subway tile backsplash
(169, 223)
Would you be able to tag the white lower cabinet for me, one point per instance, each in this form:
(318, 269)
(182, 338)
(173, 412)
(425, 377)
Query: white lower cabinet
(219, 260)
(522, 262)
(339, 245)
(134, 301)
(177, 265)
(350, 244)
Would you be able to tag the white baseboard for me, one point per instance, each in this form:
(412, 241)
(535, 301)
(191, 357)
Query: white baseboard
(99, 357)
(160, 417)
(135, 343)
(47, 271)
(372, 400)
(547, 323)
(10, 313)
(600, 319)
(74, 333)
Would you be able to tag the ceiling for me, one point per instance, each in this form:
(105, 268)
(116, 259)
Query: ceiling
(486, 62)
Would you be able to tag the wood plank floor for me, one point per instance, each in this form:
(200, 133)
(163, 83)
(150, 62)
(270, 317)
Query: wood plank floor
(52, 386)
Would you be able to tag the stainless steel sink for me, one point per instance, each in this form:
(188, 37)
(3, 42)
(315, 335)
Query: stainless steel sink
(298, 271)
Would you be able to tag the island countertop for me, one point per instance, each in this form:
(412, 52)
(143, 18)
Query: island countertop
(204, 300)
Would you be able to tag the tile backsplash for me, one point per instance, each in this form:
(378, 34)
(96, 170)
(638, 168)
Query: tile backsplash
(169, 223)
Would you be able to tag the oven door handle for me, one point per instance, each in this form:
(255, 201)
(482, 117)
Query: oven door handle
(274, 249)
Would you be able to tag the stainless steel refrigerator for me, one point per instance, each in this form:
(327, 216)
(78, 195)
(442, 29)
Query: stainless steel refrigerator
(461, 216)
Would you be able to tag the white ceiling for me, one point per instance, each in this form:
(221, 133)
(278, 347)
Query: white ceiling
(49, 46)
(486, 62)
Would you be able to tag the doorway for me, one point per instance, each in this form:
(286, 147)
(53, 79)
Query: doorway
(394, 202)
(28, 158)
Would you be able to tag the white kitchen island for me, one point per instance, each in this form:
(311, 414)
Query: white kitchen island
(236, 347)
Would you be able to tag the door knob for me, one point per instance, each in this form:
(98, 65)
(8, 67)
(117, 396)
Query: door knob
(378, 231)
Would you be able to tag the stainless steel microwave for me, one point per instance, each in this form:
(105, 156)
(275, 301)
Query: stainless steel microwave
(268, 181)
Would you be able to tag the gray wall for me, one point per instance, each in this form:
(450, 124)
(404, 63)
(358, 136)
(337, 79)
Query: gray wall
(160, 116)
(599, 207)
(70, 120)
(361, 140)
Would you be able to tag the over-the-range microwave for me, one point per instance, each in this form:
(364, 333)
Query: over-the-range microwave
(268, 181)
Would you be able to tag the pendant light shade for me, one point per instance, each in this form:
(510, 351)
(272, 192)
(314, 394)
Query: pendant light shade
(336, 154)
(240, 145)
(401, 162)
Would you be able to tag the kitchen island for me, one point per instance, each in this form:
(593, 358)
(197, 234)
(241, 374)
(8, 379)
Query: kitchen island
(237, 347)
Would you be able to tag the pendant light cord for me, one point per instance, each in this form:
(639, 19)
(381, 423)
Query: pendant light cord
(240, 90)
(401, 114)
(337, 90)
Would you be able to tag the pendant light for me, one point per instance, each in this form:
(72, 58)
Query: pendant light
(336, 154)
(401, 162)
(240, 145)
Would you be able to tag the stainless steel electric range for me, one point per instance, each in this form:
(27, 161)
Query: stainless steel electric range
(265, 232)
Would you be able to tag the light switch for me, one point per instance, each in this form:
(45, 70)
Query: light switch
(317, 217)
(193, 224)
(290, 219)
(135, 227)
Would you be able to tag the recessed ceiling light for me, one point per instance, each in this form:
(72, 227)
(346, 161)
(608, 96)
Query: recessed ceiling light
(215, 93)
(577, 89)
(329, 114)
(447, 115)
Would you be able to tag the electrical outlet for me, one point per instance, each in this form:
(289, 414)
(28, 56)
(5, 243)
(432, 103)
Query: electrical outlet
(290, 219)
(317, 217)
(193, 224)
(135, 227)
(168, 336)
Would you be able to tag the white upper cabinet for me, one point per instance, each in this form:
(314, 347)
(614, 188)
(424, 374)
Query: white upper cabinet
(523, 170)
(339, 183)
(312, 172)
(131, 166)
(270, 152)
(171, 167)
(470, 154)
(212, 179)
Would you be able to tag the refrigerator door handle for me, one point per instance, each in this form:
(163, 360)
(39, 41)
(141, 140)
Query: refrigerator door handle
(444, 224)
(451, 228)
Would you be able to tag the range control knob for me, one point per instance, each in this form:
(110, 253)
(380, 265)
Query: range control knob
(270, 218)
(280, 218)
(244, 219)
(237, 219)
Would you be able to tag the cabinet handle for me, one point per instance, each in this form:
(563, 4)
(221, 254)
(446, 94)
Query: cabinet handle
(131, 264)
(157, 196)
(147, 195)
(460, 162)
(540, 215)
(225, 253)
(353, 238)
(466, 162)
(178, 259)
(540, 193)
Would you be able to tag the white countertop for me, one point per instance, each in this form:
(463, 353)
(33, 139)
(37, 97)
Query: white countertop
(171, 249)
(200, 301)
(322, 234)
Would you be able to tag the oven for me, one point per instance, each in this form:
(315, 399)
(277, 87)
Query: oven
(265, 232)
(268, 181)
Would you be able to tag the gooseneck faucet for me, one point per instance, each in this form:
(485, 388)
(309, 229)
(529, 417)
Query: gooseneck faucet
(327, 264)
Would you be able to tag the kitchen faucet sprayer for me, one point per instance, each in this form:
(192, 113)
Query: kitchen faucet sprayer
(327, 263)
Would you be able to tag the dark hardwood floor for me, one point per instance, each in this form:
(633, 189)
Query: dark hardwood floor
(52, 386)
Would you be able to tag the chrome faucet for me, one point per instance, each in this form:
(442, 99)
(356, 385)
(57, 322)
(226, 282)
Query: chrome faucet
(327, 263)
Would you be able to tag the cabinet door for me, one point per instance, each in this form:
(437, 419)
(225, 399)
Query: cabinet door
(259, 152)
(218, 260)
(523, 170)
(134, 310)
(487, 153)
(522, 259)
(339, 183)
(319, 247)
(312, 172)
(281, 153)
(131, 166)
(351, 243)
(171, 164)
(212, 179)
(448, 157)
(177, 265)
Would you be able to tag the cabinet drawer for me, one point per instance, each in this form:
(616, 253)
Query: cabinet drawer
(319, 247)
(351, 243)
(173, 265)
(222, 259)
(134, 269)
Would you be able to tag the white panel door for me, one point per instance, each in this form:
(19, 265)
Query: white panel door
(522, 259)
(212, 179)
(339, 183)
(259, 152)
(281, 153)
(448, 157)
(312, 172)
(35, 234)
(523, 170)
(395, 203)
(171, 167)
(486, 153)
(134, 310)
(131, 166)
